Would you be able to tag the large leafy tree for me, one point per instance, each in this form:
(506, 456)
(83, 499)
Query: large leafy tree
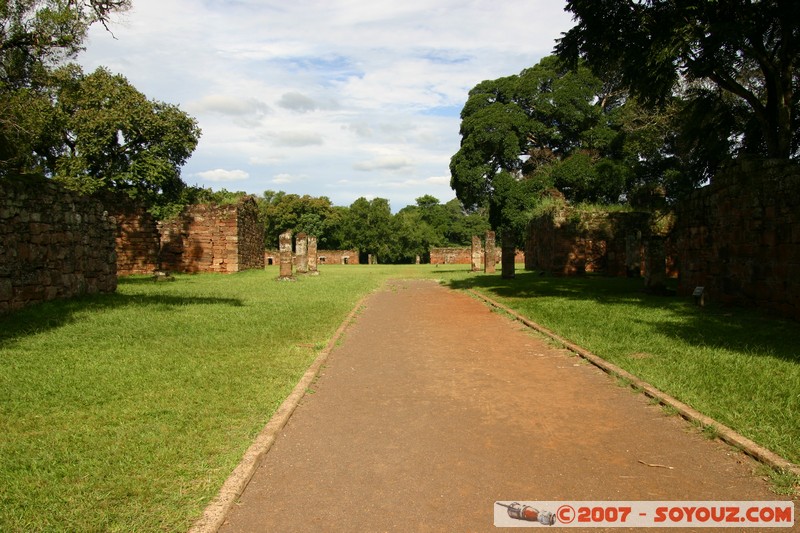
(736, 59)
(35, 37)
(112, 137)
(309, 214)
(548, 126)
(368, 228)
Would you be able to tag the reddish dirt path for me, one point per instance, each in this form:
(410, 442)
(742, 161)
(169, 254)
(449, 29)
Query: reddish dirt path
(433, 408)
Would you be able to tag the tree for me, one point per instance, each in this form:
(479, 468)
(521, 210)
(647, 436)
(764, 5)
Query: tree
(517, 128)
(113, 138)
(368, 227)
(36, 36)
(281, 212)
(740, 56)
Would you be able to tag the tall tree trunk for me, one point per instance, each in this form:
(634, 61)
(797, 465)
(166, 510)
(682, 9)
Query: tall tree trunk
(509, 253)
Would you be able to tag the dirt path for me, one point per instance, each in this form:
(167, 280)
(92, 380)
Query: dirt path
(433, 408)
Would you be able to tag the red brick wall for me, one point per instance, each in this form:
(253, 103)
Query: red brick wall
(570, 243)
(331, 257)
(210, 238)
(739, 237)
(463, 256)
(137, 240)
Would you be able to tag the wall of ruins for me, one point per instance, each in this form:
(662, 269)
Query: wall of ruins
(324, 257)
(212, 238)
(137, 238)
(569, 242)
(463, 256)
(53, 244)
(739, 237)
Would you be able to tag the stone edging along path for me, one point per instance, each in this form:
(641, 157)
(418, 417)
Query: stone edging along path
(724, 433)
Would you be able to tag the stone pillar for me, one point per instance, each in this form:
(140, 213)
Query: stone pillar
(312, 255)
(509, 255)
(490, 253)
(301, 251)
(285, 242)
(477, 253)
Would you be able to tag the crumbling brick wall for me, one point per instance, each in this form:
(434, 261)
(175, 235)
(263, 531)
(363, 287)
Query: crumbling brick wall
(53, 244)
(463, 256)
(212, 238)
(324, 257)
(137, 238)
(569, 242)
(739, 237)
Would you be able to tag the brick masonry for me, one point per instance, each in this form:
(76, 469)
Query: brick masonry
(211, 238)
(739, 237)
(569, 242)
(463, 256)
(53, 244)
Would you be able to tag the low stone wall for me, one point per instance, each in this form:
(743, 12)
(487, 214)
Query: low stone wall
(53, 244)
(739, 237)
(211, 238)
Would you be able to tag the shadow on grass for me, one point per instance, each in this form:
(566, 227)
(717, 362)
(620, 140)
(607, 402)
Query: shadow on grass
(54, 314)
(744, 330)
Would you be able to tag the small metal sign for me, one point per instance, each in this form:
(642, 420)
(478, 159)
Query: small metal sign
(698, 291)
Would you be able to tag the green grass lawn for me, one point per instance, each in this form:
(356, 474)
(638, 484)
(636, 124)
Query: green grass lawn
(738, 366)
(126, 412)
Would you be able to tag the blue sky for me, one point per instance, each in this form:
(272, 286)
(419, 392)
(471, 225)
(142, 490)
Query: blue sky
(338, 98)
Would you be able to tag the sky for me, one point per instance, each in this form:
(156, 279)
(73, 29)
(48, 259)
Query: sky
(336, 98)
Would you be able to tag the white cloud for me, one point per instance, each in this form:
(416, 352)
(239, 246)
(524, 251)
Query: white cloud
(227, 105)
(385, 162)
(283, 179)
(329, 91)
(295, 139)
(219, 174)
(297, 102)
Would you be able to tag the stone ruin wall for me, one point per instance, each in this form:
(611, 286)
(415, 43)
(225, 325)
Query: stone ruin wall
(324, 257)
(137, 239)
(211, 238)
(739, 237)
(463, 256)
(53, 244)
(570, 243)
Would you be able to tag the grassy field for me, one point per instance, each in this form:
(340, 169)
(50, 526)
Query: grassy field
(738, 366)
(126, 412)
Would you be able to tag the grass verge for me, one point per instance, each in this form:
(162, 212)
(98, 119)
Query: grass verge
(126, 412)
(740, 367)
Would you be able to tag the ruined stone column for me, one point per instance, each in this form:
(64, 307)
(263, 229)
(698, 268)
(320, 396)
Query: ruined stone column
(312, 255)
(285, 244)
(490, 253)
(301, 251)
(477, 253)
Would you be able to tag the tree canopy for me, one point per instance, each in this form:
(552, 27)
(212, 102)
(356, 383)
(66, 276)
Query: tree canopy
(735, 60)
(92, 132)
(112, 137)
